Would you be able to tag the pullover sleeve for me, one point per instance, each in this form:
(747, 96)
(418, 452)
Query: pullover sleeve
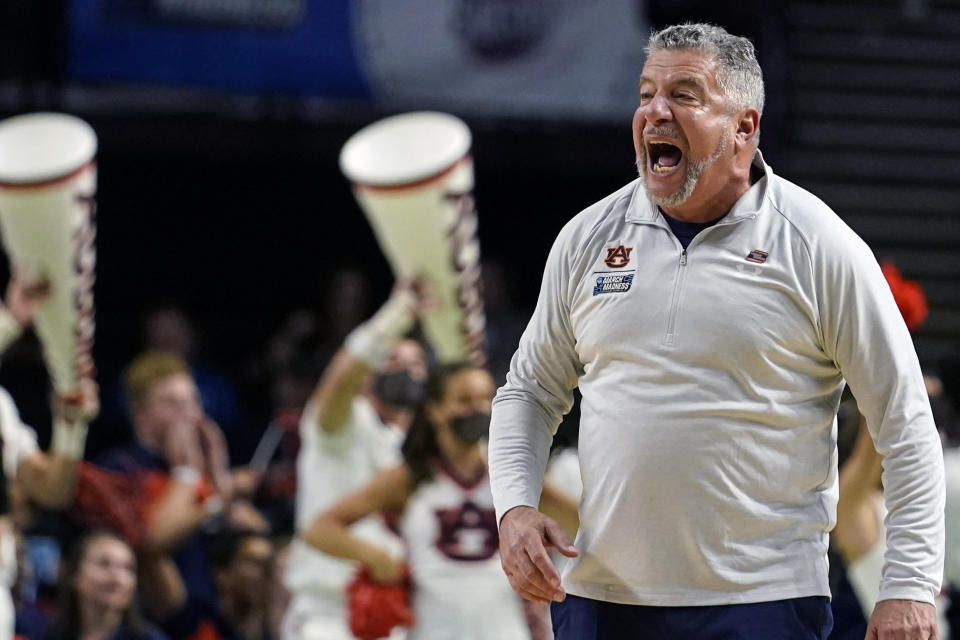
(538, 390)
(864, 332)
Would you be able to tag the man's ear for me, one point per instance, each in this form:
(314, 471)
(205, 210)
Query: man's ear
(748, 126)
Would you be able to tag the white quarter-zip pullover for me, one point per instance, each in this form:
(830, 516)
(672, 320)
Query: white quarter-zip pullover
(711, 378)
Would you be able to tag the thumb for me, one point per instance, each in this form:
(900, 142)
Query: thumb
(556, 536)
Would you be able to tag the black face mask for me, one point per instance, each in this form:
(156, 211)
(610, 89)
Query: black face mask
(471, 428)
(399, 389)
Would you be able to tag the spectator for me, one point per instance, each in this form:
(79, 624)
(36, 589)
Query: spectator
(175, 438)
(241, 563)
(169, 330)
(98, 594)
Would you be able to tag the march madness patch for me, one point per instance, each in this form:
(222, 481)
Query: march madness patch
(758, 256)
(613, 283)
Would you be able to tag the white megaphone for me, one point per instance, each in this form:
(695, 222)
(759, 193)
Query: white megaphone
(47, 186)
(413, 176)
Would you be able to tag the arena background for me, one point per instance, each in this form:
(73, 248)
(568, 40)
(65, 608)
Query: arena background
(220, 124)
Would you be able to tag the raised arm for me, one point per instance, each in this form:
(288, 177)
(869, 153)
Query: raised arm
(178, 513)
(330, 532)
(50, 478)
(365, 351)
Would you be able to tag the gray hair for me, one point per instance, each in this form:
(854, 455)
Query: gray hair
(739, 75)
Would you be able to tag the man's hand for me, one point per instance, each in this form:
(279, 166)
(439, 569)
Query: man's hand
(418, 293)
(82, 406)
(181, 446)
(903, 620)
(216, 461)
(524, 536)
(24, 296)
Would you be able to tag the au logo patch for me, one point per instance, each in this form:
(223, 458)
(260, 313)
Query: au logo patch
(618, 257)
(758, 256)
(613, 283)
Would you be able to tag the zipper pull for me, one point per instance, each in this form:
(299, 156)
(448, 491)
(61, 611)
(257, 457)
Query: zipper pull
(683, 258)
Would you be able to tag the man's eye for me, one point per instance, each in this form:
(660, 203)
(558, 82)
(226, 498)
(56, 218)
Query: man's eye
(646, 96)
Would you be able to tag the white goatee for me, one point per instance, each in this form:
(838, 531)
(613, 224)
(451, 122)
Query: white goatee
(695, 169)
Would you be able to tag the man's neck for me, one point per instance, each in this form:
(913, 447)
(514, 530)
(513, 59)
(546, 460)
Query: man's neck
(714, 196)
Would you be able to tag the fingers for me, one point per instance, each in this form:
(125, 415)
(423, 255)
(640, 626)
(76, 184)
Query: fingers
(895, 632)
(423, 295)
(426, 295)
(389, 572)
(37, 290)
(530, 570)
(902, 620)
(544, 565)
(527, 581)
(556, 536)
(90, 393)
(531, 596)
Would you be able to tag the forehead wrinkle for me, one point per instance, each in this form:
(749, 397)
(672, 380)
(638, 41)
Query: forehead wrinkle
(686, 79)
(687, 63)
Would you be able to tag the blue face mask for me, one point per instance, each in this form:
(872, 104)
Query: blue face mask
(400, 389)
(471, 428)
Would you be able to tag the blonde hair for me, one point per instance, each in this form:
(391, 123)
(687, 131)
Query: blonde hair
(146, 371)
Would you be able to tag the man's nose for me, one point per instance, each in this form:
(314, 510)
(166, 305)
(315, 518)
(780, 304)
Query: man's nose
(657, 110)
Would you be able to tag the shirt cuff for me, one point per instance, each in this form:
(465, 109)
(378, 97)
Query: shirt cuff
(917, 593)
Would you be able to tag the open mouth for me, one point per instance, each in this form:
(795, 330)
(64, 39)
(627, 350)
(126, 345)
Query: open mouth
(664, 157)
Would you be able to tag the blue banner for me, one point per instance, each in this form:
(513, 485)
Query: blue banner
(304, 47)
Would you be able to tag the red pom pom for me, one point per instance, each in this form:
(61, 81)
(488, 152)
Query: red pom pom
(909, 296)
(375, 609)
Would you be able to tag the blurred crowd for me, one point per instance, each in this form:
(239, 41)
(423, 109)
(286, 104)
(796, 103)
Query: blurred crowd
(191, 516)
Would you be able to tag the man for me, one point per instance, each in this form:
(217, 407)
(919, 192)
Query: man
(174, 437)
(45, 478)
(351, 429)
(241, 562)
(710, 313)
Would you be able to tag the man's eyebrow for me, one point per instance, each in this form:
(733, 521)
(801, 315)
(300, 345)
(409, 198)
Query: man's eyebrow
(691, 81)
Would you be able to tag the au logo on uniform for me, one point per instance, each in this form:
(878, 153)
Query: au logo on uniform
(618, 257)
(468, 532)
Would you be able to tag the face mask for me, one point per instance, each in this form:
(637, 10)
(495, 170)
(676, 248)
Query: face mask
(399, 389)
(471, 428)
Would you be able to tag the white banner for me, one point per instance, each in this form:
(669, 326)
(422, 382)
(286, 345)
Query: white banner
(533, 58)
